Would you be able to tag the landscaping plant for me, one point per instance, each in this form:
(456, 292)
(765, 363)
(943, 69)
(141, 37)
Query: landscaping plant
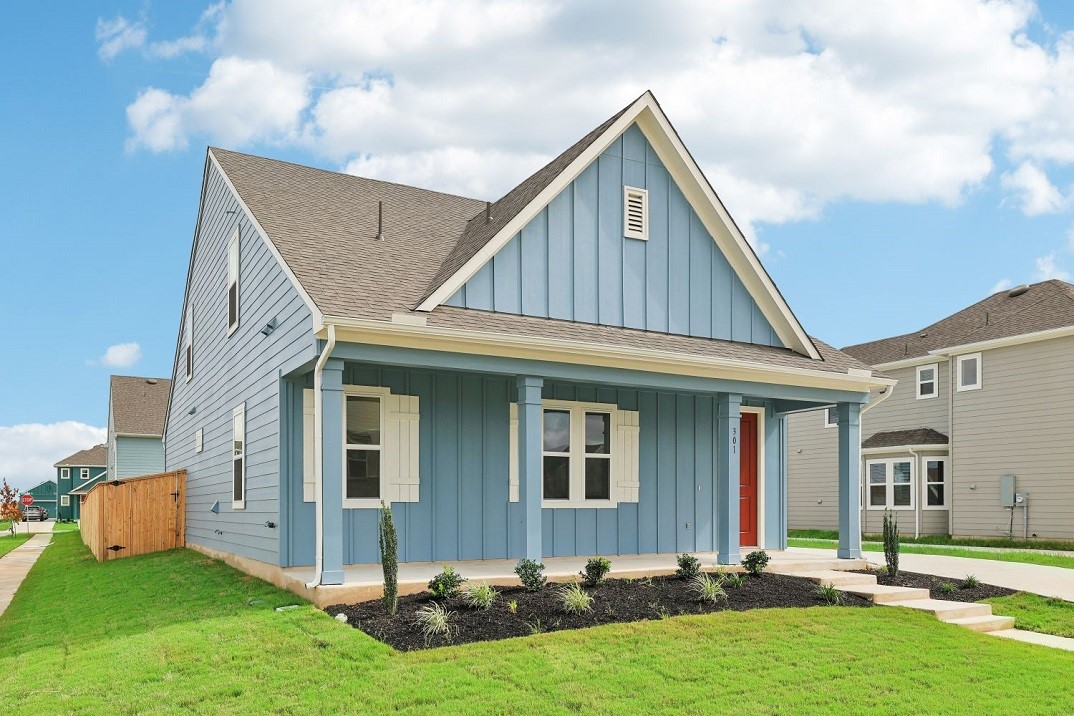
(733, 579)
(830, 594)
(435, 621)
(948, 587)
(9, 506)
(970, 582)
(481, 596)
(447, 584)
(532, 575)
(689, 566)
(389, 559)
(574, 599)
(596, 569)
(708, 588)
(755, 562)
(891, 542)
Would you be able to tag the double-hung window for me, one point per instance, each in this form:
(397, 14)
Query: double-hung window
(969, 372)
(233, 283)
(364, 418)
(935, 483)
(65, 500)
(83, 474)
(65, 473)
(890, 484)
(238, 457)
(577, 455)
(927, 381)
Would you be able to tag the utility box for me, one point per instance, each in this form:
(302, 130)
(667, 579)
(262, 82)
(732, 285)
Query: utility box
(1006, 491)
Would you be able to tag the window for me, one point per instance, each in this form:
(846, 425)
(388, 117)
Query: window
(188, 350)
(935, 483)
(635, 213)
(831, 417)
(577, 454)
(926, 381)
(238, 457)
(233, 283)
(969, 371)
(363, 435)
(199, 440)
(65, 500)
(890, 484)
(65, 473)
(83, 474)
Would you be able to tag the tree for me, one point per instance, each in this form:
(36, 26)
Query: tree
(9, 505)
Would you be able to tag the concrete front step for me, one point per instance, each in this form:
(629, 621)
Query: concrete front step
(837, 578)
(947, 611)
(984, 623)
(836, 565)
(881, 594)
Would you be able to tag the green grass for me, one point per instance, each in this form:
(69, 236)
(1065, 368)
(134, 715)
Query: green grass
(1048, 560)
(178, 633)
(5, 525)
(1037, 613)
(9, 542)
(65, 527)
(995, 542)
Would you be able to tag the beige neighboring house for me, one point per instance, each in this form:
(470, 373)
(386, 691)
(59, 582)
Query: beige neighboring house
(982, 417)
(137, 408)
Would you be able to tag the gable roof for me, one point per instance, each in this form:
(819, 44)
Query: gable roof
(139, 406)
(1014, 312)
(901, 438)
(91, 457)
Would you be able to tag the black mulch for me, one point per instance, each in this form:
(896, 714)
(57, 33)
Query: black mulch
(934, 584)
(616, 600)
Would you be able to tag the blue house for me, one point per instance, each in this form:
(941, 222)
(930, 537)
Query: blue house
(75, 475)
(137, 408)
(595, 363)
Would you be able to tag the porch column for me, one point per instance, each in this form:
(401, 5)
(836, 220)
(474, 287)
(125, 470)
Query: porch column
(849, 418)
(529, 462)
(727, 476)
(332, 407)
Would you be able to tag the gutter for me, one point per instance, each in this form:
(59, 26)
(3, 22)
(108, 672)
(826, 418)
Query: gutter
(318, 458)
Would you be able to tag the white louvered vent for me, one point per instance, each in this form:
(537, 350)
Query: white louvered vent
(635, 213)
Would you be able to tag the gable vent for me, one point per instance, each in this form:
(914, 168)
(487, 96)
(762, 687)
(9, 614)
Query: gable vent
(635, 213)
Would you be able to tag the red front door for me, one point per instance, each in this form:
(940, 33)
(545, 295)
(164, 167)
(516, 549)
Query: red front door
(747, 476)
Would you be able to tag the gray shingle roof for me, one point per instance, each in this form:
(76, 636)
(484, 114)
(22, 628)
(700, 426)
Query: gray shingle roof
(91, 457)
(139, 405)
(1046, 305)
(899, 438)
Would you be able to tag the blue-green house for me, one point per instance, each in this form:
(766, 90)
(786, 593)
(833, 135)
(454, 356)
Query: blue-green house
(597, 362)
(137, 408)
(75, 475)
(44, 494)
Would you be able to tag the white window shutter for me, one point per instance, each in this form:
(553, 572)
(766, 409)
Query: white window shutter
(309, 482)
(399, 447)
(512, 471)
(625, 458)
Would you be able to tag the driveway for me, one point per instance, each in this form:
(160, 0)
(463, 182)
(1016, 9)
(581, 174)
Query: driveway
(36, 527)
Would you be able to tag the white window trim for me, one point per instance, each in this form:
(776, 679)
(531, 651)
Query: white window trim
(831, 410)
(83, 474)
(65, 500)
(357, 503)
(577, 456)
(233, 241)
(643, 235)
(199, 440)
(889, 484)
(925, 459)
(980, 371)
(65, 473)
(935, 368)
(188, 357)
(239, 411)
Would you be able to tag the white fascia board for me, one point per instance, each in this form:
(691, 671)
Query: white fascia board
(907, 362)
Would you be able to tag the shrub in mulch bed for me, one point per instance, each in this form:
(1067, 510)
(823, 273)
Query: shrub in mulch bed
(614, 600)
(934, 584)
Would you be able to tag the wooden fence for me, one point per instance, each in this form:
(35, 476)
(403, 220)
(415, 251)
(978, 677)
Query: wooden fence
(135, 516)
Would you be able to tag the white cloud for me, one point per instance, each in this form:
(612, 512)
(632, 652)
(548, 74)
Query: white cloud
(1048, 267)
(1033, 190)
(1002, 285)
(117, 35)
(28, 451)
(122, 355)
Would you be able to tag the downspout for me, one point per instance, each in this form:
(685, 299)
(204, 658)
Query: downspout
(950, 494)
(861, 460)
(318, 466)
(916, 486)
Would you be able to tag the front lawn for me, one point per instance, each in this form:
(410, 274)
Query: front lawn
(995, 542)
(9, 542)
(179, 633)
(1036, 613)
(65, 527)
(1042, 558)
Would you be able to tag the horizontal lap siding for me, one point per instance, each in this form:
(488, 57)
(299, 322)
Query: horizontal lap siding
(812, 473)
(139, 456)
(228, 371)
(1020, 422)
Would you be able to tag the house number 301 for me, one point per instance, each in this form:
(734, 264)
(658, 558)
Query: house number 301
(734, 440)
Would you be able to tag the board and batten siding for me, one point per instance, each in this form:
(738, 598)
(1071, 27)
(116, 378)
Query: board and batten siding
(464, 512)
(138, 456)
(1020, 422)
(228, 371)
(572, 261)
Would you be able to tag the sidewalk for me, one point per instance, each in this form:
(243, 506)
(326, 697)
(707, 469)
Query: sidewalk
(16, 564)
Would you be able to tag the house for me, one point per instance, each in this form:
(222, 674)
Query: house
(137, 408)
(983, 411)
(595, 363)
(44, 494)
(75, 474)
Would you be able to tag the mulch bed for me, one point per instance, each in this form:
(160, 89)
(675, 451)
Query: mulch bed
(932, 583)
(616, 600)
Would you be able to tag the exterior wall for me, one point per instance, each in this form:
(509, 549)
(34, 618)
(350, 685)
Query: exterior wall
(111, 442)
(903, 410)
(45, 496)
(464, 512)
(228, 371)
(1020, 422)
(572, 261)
(138, 456)
(71, 512)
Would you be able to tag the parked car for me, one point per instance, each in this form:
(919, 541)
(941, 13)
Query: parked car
(34, 512)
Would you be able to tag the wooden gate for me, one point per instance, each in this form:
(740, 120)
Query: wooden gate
(135, 516)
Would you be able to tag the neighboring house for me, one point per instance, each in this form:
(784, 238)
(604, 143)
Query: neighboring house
(595, 363)
(137, 409)
(75, 474)
(44, 495)
(984, 393)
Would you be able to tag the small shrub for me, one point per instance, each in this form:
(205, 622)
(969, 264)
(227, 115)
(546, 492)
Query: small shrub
(948, 587)
(512, 606)
(708, 588)
(447, 584)
(755, 562)
(574, 599)
(435, 621)
(532, 575)
(481, 596)
(389, 559)
(535, 627)
(596, 569)
(689, 566)
(830, 594)
(891, 542)
(970, 582)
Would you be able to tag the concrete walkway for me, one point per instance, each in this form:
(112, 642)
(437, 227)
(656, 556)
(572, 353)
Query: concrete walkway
(15, 565)
(35, 527)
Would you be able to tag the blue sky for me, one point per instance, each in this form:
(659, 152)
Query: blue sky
(891, 169)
